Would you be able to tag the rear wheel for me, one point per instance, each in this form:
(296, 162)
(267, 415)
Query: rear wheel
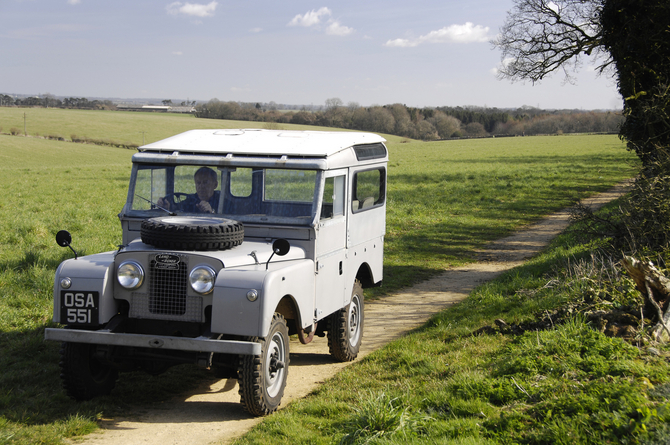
(345, 332)
(83, 375)
(262, 378)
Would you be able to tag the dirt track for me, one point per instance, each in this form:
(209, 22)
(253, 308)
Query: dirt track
(214, 414)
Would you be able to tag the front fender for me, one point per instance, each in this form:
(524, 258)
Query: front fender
(234, 314)
(91, 273)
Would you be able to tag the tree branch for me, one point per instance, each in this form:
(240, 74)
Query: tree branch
(540, 37)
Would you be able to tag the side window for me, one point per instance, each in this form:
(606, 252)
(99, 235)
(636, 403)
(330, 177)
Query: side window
(369, 189)
(333, 198)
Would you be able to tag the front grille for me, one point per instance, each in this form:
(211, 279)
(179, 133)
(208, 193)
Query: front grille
(167, 298)
(167, 287)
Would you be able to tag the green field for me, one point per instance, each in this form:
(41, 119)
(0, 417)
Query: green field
(121, 126)
(445, 200)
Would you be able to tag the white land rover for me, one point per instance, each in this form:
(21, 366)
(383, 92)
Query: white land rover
(232, 241)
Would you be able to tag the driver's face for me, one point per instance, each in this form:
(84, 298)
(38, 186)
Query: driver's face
(205, 186)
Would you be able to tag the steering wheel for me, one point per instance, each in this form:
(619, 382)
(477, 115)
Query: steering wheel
(174, 200)
(180, 197)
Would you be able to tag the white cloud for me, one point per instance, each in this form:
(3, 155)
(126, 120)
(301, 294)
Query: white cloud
(466, 33)
(192, 9)
(256, 30)
(73, 2)
(459, 33)
(403, 43)
(337, 29)
(314, 18)
(310, 18)
(177, 53)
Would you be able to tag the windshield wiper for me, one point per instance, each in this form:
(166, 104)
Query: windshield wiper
(154, 205)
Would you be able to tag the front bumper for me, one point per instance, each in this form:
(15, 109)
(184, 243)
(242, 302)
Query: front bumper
(198, 344)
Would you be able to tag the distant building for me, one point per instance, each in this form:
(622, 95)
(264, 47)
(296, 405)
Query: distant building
(180, 109)
(157, 108)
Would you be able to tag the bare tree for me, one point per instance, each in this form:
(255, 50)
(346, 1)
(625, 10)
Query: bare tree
(403, 121)
(49, 100)
(426, 130)
(361, 120)
(540, 37)
(353, 106)
(333, 102)
(381, 120)
(475, 129)
(445, 125)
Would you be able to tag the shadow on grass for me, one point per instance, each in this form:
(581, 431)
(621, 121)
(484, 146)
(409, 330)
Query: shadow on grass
(30, 389)
(31, 258)
(31, 392)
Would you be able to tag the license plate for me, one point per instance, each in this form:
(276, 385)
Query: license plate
(79, 307)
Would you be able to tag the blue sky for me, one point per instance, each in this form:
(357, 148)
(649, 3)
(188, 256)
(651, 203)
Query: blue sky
(421, 53)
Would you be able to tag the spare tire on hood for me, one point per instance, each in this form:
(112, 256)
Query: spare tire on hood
(192, 233)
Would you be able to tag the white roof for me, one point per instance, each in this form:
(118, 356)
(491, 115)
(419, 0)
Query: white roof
(263, 142)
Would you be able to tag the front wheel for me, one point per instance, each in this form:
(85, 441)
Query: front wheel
(84, 376)
(262, 378)
(345, 332)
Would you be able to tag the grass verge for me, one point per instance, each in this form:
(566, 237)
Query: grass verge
(460, 380)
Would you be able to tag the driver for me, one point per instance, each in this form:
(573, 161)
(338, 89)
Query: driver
(204, 200)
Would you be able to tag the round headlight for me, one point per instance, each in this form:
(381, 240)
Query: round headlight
(130, 275)
(202, 279)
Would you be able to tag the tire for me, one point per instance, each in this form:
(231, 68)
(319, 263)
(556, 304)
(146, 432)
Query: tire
(192, 233)
(261, 381)
(345, 330)
(83, 376)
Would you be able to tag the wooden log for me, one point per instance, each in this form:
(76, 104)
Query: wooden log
(656, 288)
(643, 273)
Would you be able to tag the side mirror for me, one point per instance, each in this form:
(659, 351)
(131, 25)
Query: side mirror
(64, 239)
(279, 247)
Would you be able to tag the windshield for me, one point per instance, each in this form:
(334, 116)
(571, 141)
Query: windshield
(245, 194)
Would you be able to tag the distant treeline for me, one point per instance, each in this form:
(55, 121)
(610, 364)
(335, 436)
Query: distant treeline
(398, 119)
(423, 123)
(49, 101)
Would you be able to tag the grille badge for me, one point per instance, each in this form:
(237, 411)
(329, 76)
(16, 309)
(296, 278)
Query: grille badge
(165, 261)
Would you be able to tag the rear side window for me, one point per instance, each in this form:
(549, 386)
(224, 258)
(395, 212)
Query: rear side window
(369, 189)
(366, 152)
